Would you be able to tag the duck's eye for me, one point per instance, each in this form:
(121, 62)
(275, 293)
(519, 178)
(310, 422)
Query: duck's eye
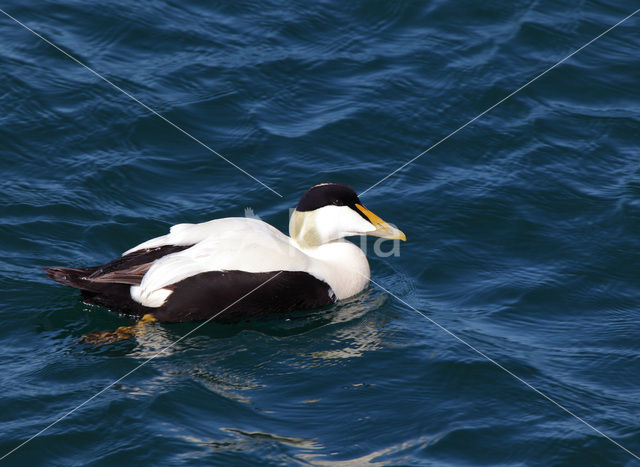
(337, 202)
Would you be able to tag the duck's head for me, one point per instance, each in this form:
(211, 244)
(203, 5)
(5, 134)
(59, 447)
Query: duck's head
(331, 211)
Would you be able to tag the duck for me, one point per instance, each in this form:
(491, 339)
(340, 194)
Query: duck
(239, 268)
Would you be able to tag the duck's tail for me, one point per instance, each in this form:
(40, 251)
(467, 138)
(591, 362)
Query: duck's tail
(115, 296)
(74, 277)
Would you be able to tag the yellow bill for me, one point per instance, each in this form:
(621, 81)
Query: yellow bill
(383, 229)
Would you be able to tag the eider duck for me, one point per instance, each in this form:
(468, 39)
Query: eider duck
(241, 265)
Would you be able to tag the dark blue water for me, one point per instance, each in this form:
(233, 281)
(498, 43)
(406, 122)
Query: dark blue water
(523, 229)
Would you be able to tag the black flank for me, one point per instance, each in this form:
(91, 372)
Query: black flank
(199, 297)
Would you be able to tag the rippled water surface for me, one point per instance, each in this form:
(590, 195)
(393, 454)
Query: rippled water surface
(523, 229)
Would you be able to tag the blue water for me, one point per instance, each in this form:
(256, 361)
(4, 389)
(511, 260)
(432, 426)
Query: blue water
(523, 229)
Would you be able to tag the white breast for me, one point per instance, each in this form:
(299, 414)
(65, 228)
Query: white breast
(342, 265)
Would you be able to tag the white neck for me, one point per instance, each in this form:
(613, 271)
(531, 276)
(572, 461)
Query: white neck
(341, 264)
